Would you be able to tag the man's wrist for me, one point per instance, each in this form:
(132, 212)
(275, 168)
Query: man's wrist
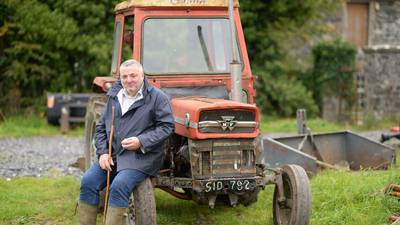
(104, 151)
(141, 148)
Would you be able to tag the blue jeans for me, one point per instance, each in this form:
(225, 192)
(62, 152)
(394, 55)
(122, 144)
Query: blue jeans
(122, 184)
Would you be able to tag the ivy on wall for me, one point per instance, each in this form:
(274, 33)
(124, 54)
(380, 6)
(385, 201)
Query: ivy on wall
(333, 73)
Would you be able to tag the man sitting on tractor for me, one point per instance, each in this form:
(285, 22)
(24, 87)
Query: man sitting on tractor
(143, 120)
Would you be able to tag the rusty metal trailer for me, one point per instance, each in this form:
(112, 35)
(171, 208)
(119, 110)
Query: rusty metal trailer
(343, 149)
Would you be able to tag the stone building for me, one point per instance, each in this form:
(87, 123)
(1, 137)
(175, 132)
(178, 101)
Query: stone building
(374, 27)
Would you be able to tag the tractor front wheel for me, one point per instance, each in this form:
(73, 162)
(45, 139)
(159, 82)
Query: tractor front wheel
(295, 207)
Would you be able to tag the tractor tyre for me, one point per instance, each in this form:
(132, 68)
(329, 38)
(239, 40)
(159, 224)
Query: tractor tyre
(142, 205)
(93, 110)
(296, 208)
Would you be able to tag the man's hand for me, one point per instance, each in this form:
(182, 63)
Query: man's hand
(105, 162)
(131, 143)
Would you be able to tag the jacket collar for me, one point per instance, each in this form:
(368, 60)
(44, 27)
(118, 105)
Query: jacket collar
(113, 91)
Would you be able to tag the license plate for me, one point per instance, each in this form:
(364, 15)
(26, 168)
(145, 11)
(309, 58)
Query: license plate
(234, 185)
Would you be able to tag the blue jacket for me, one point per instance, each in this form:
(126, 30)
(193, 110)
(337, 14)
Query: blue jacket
(150, 119)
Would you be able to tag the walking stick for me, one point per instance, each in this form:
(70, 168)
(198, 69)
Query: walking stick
(108, 171)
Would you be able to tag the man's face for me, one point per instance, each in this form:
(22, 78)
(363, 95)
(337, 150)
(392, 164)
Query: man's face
(131, 79)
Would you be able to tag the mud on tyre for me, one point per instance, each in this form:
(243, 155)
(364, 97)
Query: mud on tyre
(142, 205)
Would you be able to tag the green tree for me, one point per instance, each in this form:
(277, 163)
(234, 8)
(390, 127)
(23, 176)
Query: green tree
(274, 30)
(57, 45)
(60, 45)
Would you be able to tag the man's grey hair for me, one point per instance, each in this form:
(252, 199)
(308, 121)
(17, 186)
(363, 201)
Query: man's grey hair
(132, 63)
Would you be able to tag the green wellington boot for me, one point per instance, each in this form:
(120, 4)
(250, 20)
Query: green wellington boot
(87, 213)
(115, 216)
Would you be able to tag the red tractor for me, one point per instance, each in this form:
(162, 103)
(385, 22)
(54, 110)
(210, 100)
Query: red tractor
(194, 50)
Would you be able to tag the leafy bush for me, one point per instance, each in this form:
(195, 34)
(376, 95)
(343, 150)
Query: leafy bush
(283, 95)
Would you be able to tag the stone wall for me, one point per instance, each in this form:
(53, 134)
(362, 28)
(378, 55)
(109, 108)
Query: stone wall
(379, 82)
(378, 74)
(379, 79)
(385, 23)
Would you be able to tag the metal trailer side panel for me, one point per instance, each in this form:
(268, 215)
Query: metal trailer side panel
(365, 153)
(277, 154)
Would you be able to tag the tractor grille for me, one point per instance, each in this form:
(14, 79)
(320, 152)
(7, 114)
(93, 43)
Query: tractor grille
(227, 121)
(226, 161)
(223, 158)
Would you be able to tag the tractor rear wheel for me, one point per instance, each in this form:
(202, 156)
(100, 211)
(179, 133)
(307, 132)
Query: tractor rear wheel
(93, 111)
(296, 207)
(142, 205)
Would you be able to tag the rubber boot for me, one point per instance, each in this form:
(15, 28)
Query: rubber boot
(115, 216)
(87, 213)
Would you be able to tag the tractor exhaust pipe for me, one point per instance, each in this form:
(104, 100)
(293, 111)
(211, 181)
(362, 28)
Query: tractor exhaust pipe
(236, 66)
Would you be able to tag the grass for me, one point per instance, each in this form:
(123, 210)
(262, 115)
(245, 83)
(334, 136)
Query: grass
(339, 198)
(38, 200)
(30, 125)
(353, 197)
(272, 124)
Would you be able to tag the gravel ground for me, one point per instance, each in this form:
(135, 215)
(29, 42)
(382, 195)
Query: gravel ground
(54, 156)
(40, 156)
